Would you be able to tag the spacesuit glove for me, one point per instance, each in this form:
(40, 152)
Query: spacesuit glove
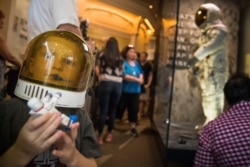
(191, 62)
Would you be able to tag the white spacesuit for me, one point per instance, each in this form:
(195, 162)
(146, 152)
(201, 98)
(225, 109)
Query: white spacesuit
(210, 59)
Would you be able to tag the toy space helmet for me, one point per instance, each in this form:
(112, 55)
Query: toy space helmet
(56, 61)
(207, 14)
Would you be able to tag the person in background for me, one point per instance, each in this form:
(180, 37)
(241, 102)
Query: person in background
(49, 15)
(138, 54)
(225, 140)
(59, 67)
(145, 87)
(131, 89)
(109, 72)
(5, 55)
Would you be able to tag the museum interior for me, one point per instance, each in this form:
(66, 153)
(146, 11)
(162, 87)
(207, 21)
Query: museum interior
(168, 32)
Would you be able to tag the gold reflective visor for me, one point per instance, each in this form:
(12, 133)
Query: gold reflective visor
(58, 59)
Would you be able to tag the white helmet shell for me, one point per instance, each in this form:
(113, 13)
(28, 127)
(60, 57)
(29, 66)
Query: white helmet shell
(56, 61)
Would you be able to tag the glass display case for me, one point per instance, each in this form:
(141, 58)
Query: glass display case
(178, 99)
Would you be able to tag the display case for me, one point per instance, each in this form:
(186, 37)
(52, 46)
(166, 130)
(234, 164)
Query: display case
(178, 97)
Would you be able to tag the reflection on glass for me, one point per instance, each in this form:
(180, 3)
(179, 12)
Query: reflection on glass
(67, 61)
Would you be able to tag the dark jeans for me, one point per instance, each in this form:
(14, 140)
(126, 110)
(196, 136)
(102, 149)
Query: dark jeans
(129, 101)
(109, 96)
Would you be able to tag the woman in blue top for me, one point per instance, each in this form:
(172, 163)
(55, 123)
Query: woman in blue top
(131, 89)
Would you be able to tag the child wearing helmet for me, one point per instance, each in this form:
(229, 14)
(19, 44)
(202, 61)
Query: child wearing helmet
(56, 62)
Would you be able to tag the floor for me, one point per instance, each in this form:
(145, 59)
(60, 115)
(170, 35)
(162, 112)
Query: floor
(142, 151)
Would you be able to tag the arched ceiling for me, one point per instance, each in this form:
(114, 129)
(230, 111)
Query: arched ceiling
(120, 15)
(145, 8)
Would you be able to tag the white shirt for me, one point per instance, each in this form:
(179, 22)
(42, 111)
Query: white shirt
(46, 15)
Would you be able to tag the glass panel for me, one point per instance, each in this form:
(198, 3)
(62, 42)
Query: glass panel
(179, 91)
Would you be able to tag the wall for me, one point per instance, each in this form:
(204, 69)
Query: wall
(18, 29)
(15, 26)
(7, 7)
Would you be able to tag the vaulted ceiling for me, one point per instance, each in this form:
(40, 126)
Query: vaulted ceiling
(120, 15)
(145, 8)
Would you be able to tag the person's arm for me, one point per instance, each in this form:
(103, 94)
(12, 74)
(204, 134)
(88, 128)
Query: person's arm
(204, 154)
(150, 78)
(80, 160)
(139, 79)
(97, 72)
(67, 152)
(169, 79)
(71, 28)
(6, 54)
(97, 67)
(129, 77)
(21, 158)
(36, 136)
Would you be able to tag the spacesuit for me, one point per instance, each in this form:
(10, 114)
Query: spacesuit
(210, 59)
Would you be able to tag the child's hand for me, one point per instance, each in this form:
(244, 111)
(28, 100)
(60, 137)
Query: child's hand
(38, 134)
(65, 146)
